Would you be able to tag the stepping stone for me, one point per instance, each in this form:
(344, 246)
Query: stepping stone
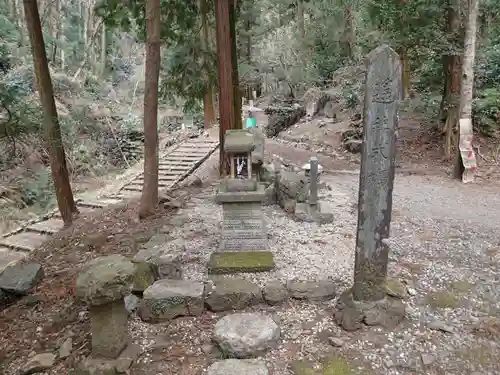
(238, 366)
(274, 293)
(312, 290)
(21, 278)
(229, 294)
(28, 241)
(82, 210)
(51, 226)
(169, 299)
(246, 335)
(10, 257)
(100, 203)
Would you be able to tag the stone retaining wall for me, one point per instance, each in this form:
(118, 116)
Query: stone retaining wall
(281, 118)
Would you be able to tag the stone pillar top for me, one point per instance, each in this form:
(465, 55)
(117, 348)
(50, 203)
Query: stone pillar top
(105, 280)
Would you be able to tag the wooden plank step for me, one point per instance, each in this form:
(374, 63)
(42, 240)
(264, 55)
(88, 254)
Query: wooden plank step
(27, 241)
(185, 157)
(51, 226)
(176, 164)
(82, 209)
(132, 188)
(165, 177)
(193, 148)
(128, 194)
(100, 203)
(161, 183)
(179, 167)
(10, 257)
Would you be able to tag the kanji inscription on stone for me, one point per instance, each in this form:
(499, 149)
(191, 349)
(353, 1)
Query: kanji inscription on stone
(382, 92)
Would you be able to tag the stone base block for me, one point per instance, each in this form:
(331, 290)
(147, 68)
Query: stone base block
(242, 261)
(246, 335)
(304, 212)
(351, 314)
(95, 365)
(168, 299)
(109, 327)
(232, 294)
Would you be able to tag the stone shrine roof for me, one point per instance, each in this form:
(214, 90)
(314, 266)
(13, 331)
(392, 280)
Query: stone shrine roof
(238, 141)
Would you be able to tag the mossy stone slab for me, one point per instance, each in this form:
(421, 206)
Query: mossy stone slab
(241, 261)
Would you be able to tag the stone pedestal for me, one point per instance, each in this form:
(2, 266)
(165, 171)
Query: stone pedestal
(103, 284)
(244, 244)
(109, 327)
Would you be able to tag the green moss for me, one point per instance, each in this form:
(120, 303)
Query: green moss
(462, 286)
(442, 299)
(145, 275)
(337, 366)
(244, 261)
(333, 366)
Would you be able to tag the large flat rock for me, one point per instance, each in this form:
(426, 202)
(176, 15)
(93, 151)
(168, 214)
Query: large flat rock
(238, 366)
(21, 278)
(246, 335)
(168, 299)
(229, 294)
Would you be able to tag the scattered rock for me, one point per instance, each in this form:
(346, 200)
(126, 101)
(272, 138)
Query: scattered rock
(235, 294)
(387, 313)
(97, 366)
(396, 288)
(66, 348)
(127, 357)
(21, 278)
(39, 363)
(164, 255)
(350, 314)
(31, 300)
(274, 293)
(238, 366)
(168, 299)
(440, 326)
(105, 279)
(145, 275)
(131, 303)
(312, 290)
(336, 342)
(246, 335)
(332, 366)
(209, 349)
(428, 359)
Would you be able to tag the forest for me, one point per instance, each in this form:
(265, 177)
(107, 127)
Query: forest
(96, 57)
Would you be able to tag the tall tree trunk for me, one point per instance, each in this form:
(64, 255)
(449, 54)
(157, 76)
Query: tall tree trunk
(52, 130)
(452, 67)
(348, 33)
(300, 19)
(228, 93)
(103, 49)
(467, 86)
(52, 29)
(149, 198)
(208, 99)
(238, 124)
(405, 72)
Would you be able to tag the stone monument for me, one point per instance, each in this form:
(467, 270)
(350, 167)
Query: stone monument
(368, 301)
(310, 211)
(244, 244)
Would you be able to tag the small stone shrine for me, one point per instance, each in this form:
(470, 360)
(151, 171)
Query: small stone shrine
(310, 211)
(244, 244)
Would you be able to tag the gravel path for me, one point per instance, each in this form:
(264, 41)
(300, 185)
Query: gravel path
(445, 246)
